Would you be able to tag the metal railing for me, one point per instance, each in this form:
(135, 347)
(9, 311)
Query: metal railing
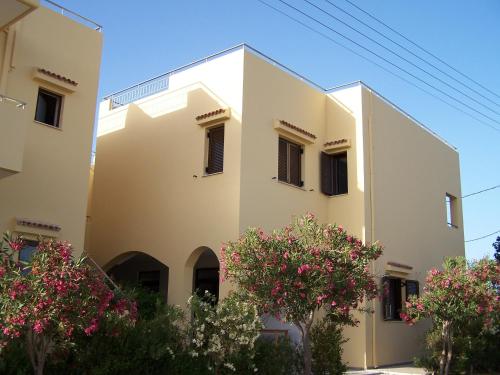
(139, 91)
(73, 15)
(159, 83)
(17, 103)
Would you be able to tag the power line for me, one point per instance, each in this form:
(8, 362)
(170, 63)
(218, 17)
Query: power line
(480, 238)
(410, 52)
(481, 191)
(401, 57)
(391, 63)
(377, 64)
(421, 48)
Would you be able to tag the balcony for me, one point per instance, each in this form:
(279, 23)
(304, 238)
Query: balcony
(13, 10)
(12, 134)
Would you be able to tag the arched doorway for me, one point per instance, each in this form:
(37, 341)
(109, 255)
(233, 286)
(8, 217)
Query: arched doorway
(140, 269)
(206, 273)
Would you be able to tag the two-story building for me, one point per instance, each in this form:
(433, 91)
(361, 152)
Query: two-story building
(190, 159)
(49, 71)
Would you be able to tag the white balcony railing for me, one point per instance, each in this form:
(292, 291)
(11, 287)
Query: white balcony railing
(7, 99)
(73, 15)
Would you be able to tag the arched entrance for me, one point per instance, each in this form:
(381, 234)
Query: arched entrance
(140, 269)
(206, 273)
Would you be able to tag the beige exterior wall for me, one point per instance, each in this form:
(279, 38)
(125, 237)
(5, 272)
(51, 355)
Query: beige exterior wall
(410, 173)
(46, 170)
(145, 197)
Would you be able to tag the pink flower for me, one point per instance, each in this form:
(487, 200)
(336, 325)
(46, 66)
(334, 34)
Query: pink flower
(38, 327)
(16, 245)
(283, 267)
(235, 257)
(303, 268)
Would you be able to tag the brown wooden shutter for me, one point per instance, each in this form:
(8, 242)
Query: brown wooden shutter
(342, 173)
(326, 174)
(215, 150)
(283, 160)
(295, 167)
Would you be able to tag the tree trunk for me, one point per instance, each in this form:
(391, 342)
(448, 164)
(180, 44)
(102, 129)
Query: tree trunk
(306, 342)
(37, 346)
(442, 360)
(305, 328)
(450, 351)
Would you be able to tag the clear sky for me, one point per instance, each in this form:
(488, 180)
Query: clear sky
(146, 38)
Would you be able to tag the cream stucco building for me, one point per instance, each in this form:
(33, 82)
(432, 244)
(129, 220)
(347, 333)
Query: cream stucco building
(49, 70)
(192, 158)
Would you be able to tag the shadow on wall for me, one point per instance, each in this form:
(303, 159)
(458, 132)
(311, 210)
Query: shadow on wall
(137, 268)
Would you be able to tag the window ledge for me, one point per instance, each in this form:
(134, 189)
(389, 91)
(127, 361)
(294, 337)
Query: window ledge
(291, 185)
(47, 125)
(337, 195)
(212, 174)
(393, 321)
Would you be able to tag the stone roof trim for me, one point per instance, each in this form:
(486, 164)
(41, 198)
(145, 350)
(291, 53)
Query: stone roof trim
(297, 129)
(57, 76)
(210, 114)
(336, 142)
(38, 224)
(399, 265)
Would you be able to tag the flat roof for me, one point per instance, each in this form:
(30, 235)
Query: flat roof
(160, 83)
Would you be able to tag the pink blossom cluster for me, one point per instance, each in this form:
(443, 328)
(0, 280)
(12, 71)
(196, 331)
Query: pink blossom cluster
(302, 267)
(54, 295)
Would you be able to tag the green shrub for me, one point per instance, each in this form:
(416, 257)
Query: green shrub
(327, 340)
(280, 357)
(475, 350)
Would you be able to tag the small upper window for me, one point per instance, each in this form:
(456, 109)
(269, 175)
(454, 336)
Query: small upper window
(334, 173)
(48, 108)
(451, 210)
(215, 159)
(290, 162)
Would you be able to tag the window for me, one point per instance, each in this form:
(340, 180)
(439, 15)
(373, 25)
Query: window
(451, 210)
(207, 279)
(290, 162)
(334, 173)
(393, 295)
(48, 108)
(29, 248)
(215, 158)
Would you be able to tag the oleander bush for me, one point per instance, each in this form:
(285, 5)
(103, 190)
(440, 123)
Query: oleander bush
(463, 302)
(327, 340)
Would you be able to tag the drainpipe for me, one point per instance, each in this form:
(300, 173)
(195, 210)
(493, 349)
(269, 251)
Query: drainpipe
(372, 224)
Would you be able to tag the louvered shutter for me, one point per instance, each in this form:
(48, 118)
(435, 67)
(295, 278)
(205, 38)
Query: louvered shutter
(215, 150)
(282, 160)
(342, 173)
(295, 167)
(326, 174)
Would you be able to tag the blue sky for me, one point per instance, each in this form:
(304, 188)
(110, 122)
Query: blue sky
(146, 38)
